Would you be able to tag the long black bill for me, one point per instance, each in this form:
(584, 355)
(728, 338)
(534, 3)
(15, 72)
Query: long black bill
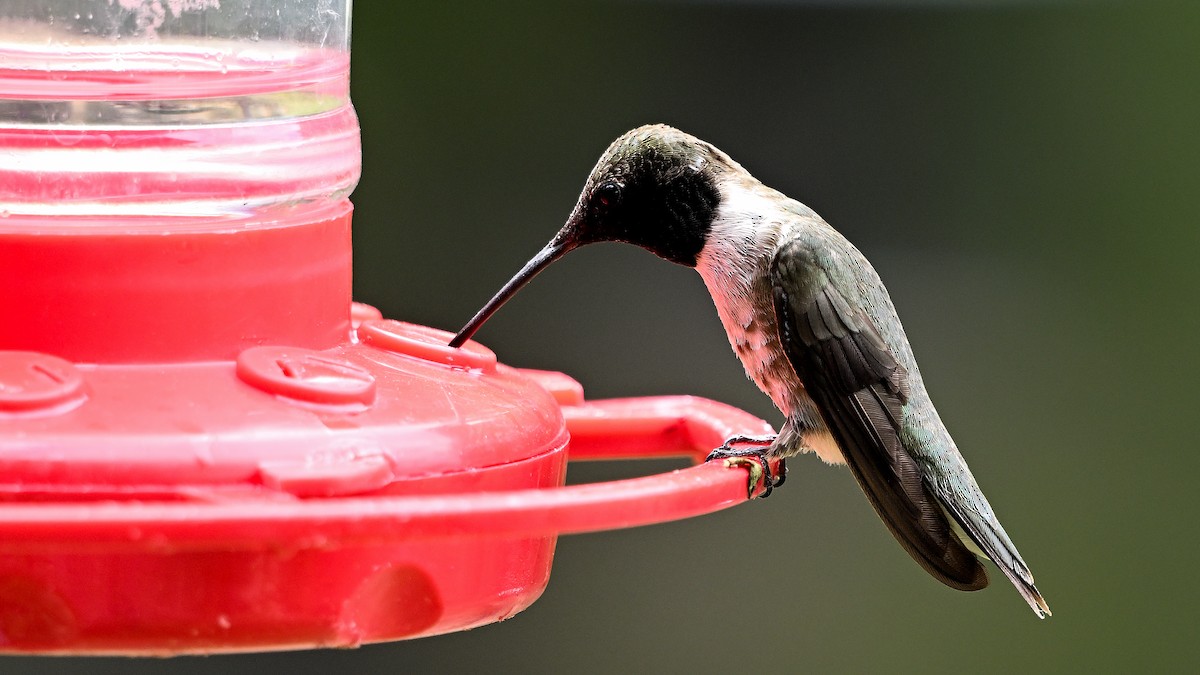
(563, 243)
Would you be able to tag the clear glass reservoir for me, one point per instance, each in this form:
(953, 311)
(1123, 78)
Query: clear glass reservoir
(112, 109)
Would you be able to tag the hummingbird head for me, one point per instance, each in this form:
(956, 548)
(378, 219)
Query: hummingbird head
(655, 187)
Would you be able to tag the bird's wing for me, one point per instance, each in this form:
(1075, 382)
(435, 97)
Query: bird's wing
(860, 389)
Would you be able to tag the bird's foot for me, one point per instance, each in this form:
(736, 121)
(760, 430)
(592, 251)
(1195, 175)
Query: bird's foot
(754, 459)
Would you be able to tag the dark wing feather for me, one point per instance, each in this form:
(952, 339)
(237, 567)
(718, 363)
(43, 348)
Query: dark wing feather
(860, 389)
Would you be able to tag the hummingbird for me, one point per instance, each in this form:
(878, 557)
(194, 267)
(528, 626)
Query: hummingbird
(816, 330)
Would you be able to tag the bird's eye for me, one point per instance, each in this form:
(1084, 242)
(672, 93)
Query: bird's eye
(606, 195)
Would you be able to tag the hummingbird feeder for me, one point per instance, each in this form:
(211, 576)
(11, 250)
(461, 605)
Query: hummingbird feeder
(205, 446)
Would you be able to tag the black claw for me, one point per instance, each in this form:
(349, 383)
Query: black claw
(782, 477)
(768, 478)
(759, 455)
(756, 441)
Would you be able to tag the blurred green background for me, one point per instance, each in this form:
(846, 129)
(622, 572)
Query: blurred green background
(1023, 177)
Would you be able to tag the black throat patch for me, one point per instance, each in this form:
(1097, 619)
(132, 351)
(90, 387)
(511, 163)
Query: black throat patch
(668, 206)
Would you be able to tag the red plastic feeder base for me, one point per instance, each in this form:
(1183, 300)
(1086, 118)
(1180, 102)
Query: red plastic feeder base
(382, 489)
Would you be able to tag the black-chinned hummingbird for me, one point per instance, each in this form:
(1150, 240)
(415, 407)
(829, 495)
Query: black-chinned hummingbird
(816, 330)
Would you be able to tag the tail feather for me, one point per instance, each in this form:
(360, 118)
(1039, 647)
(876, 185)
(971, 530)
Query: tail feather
(1006, 558)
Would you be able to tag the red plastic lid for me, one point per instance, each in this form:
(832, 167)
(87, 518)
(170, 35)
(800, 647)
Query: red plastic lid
(358, 418)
